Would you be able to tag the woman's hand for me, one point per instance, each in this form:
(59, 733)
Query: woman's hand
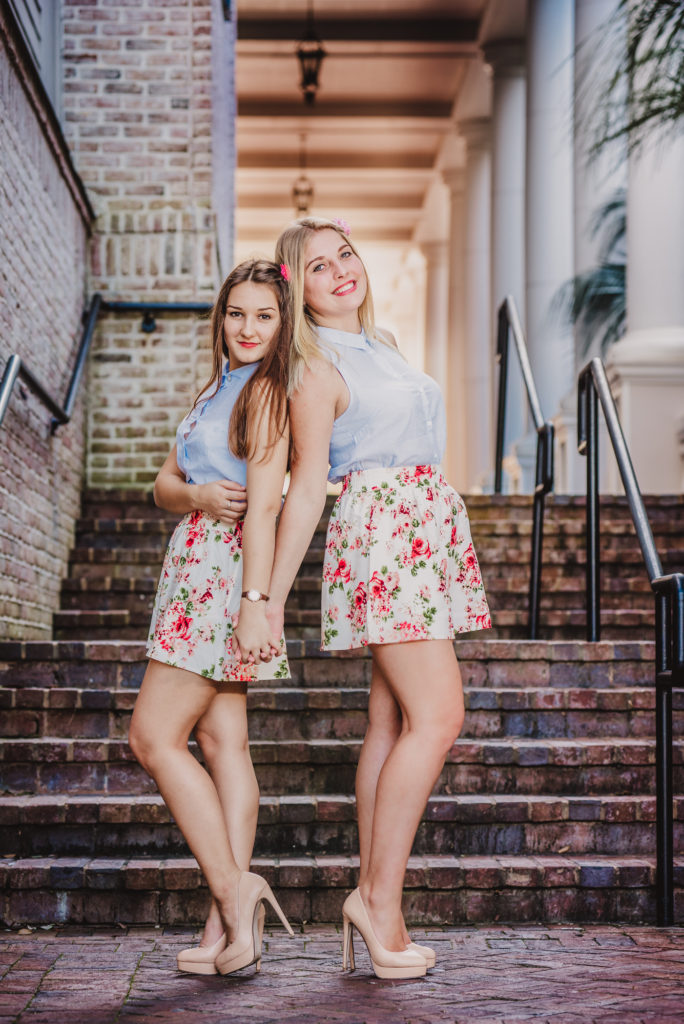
(252, 637)
(222, 499)
(225, 500)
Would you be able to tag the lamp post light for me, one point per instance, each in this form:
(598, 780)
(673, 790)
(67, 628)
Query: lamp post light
(302, 190)
(310, 54)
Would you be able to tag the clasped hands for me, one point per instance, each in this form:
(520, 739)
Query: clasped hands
(257, 631)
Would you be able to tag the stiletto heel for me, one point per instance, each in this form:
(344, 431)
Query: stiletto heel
(348, 945)
(261, 916)
(387, 963)
(245, 949)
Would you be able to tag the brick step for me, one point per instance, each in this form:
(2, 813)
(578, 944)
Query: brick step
(341, 713)
(484, 662)
(613, 600)
(96, 826)
(101, 532)
(466, 890)
(496, 558)
(508, 624)
(109, 503)
(505, 558)
(508, 765)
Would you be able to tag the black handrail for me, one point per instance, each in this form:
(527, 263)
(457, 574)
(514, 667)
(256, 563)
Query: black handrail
(669, 605)
(509, 321)
(16, 368)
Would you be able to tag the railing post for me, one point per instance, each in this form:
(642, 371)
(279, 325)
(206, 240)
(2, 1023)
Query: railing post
(502, 359)
(81, 356)
(593, 540)
(11, 372)
(664, 825)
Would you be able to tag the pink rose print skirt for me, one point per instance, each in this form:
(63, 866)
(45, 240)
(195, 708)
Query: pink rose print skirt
(197, 597)
(399, 562)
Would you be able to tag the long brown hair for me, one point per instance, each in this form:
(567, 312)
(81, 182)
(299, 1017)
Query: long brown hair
(291, 250)
(265, 393)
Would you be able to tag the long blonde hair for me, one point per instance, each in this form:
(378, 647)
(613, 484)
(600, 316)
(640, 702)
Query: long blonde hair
(291, 251)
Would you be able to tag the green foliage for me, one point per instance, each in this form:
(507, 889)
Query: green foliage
(644, 95)
(595, 301)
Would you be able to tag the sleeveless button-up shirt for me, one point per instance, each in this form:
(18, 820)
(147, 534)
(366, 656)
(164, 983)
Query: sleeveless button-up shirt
(395, 415)
(203, 454)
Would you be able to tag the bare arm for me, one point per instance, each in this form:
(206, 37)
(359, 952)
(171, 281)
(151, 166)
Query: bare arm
(173, 494)
(321, 397)
(265, 474)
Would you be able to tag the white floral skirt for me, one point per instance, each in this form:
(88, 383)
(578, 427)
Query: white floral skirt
(399, 562)
(197, 597)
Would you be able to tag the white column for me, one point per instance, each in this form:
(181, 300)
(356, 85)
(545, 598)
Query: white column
(595, 182)
(478, 324)
(455, 388)
(549, 171)
(506, 59)
(647, 366)
(436, 255)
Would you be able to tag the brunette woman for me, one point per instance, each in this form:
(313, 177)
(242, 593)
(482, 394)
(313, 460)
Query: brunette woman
(216, 566)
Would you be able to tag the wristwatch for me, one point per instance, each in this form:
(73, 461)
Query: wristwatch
(254, 596)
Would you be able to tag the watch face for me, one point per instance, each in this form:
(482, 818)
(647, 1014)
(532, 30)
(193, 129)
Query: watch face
(253, 595)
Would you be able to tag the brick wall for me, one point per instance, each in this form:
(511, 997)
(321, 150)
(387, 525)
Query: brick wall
(138, 117)
(43, 248)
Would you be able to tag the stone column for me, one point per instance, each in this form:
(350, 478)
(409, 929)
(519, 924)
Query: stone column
(646, 367)
(478, 325)
(455, 387)
(436, 255)
(595, 182)
(549, 194)
(506, 59)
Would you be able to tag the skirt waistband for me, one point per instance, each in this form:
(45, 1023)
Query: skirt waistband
(396, 475)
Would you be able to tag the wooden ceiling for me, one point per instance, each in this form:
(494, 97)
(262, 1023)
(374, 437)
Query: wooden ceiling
(387, 88)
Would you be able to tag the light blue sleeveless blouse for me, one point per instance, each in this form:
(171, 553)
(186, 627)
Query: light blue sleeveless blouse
(203, 454)
(396, 414)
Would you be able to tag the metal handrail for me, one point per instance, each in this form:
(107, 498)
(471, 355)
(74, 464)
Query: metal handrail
(16, 368)
(509, 322)
(669, 605)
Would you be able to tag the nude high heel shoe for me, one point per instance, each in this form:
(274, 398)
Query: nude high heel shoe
(387, 963)
(245, 949)
(428, 955)
(202, 959)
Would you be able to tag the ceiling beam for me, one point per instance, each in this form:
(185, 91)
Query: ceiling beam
(256, 234)
(365, 108)
(346, 160)
(390, 29)
(274, 201)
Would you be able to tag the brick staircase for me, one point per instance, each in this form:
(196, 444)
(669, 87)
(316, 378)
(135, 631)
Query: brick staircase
(545, 809)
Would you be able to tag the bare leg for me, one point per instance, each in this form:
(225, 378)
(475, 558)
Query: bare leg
(384, 728)
(425, 681)
(223, 738)
(171, 701)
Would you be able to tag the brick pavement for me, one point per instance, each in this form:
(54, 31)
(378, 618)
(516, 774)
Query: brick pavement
(558, 974)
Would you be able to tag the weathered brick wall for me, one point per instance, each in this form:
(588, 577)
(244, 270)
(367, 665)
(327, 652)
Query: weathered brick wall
(43, 250)
(138, 117)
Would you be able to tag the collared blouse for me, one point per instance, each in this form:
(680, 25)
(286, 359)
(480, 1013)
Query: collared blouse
(395, 415)
(203, 454)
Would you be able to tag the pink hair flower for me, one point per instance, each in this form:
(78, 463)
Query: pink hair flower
(285, 271)
(343, 224)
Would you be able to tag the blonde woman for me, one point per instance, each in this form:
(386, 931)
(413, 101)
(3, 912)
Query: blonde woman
(400, 574)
